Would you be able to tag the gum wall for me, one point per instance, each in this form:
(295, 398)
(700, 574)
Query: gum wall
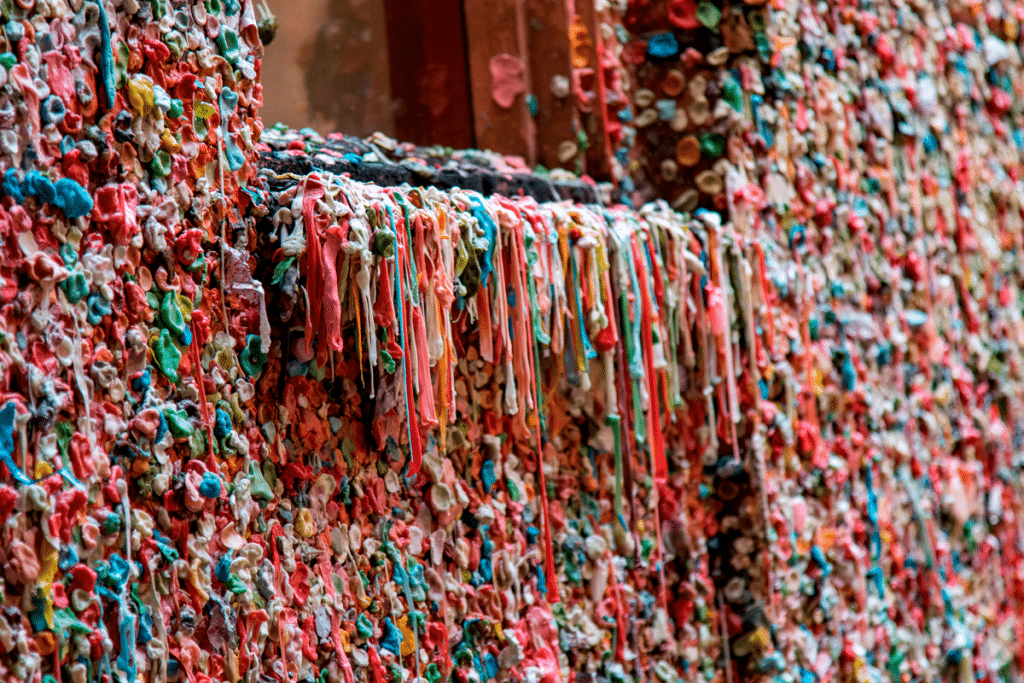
(289, 427)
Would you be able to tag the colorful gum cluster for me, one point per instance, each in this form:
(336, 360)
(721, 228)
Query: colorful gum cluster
(876, 149)
(127, 132)
(262, 426)
(419, 431)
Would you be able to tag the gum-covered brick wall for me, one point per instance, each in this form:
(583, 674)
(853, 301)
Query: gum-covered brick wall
(263, 426)
(127, 132)
(872, 153)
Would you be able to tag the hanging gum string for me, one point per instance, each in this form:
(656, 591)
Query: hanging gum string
(428, 413)
(312, 192)
(720, 279)
(549, 556)
(620, 630)
(553, 328)
(671, 324)
(412, 424)
(446, 384)
(657, 320)
(445, 391)
(638, 422)
(659, 466)
(622, 408)
(631, 333)
(197, 369)
(536, 222)
(221, 159)
(749, 284)
(563, 252)
(638, 292)
(535, 339)
(521, 337)
(580, 344)
(615, 422)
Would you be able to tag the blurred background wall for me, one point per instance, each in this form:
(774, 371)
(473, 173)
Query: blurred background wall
(455, 73)
(328, 67)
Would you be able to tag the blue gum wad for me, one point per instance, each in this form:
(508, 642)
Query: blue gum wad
(210, 486)
(391, 638)
(35, 184)
(663, 46)
(67, 195)
(71, 198)
(7, 415)
(115, 574)
(228, 102)
(12, 186)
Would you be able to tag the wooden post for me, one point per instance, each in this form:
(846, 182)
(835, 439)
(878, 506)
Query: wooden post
(547, 34)
(587, 68)
(429, 77)
(499, 72)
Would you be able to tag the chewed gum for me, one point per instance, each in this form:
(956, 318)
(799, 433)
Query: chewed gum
(260, 419)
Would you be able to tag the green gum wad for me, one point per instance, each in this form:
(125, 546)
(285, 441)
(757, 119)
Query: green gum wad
(709, 15)
(64, 432)
(227, 41)
(176, 44)
(111, 525)
(167, 355)
(198, 264)
(236, 585)
(756, 21)
(65, 620)
(764, 49)
(160, 166)
(261, 490)
(270, 474)
(170, 314)
(733, 94)
(178, 423)
(68, 255)
(75, 288)
(232, 406)
(363, 626)
(197, 443)
(176, 110)
(252, 359)
(121, 64)
(712, 145)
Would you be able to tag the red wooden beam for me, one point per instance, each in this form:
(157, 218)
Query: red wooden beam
(499, 70)
(429, 75)
(587, 76)
(547, 34)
